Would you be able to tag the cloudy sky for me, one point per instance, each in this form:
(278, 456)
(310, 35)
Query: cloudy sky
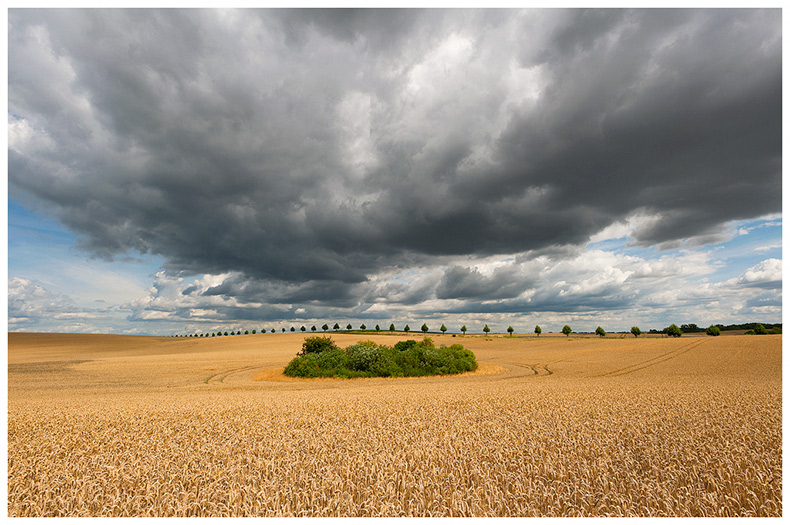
(181, 171)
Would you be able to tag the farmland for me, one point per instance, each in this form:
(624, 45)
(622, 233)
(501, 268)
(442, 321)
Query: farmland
(549, 426)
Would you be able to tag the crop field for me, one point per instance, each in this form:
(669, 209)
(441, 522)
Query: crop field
(549, 426)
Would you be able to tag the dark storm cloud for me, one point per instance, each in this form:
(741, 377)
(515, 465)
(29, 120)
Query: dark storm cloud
(469, 283)
(309, 150)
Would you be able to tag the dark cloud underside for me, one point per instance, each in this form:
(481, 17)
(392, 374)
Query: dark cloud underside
(314, 148)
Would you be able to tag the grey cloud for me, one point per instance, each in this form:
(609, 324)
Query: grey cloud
(468, 283)
(310, 150)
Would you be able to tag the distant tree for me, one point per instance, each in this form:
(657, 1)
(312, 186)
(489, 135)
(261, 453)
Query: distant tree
(283, 329)
(254, 331)
(325, 327)
(293, 329)
(486, 329)
(313, 328)
(674, 331)
(337, 326)
(713, 330)
(567, 330)
(636, 331)
(760, 329)
(226, 333)
(349, 326)
(424, 328)
(406, 329)
(378, 328)
(392, 327)
(600, 331)
(690, 328)
(303, 329)
(363, 327)
(274, 330)
(463, 329)
(537, 330)
(232, 333)
(510, 330)
(246, 332)
(443, 329)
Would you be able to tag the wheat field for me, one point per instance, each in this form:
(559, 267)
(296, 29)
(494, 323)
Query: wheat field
(549, 426)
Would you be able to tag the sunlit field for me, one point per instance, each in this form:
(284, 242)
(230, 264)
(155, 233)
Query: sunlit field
(548, 426)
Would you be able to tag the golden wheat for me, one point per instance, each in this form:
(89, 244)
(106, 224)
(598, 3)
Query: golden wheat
(688, 427)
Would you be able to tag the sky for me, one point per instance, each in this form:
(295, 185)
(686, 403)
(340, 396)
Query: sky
(184, 171)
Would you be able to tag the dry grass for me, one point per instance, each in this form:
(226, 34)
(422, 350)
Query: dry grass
(123, 426)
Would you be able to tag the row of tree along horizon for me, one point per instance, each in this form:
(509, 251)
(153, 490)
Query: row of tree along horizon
(672, 330)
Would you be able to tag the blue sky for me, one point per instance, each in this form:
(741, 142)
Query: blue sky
(185, 171)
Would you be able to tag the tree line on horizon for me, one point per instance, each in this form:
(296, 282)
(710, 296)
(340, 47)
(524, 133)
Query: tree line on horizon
(672, 330)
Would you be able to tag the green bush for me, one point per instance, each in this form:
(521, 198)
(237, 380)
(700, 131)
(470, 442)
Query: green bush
(367, 359)
(362, 357)
(713, 330)
(317, 344)
(673, 331)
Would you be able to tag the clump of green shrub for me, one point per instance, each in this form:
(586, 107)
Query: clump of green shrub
(367, 359)
(316, 345)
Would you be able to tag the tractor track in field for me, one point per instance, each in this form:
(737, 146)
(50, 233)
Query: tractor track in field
(653, 361)
(219, 377)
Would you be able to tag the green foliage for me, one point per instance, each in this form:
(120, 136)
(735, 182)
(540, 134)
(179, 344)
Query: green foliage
(303, 328)
(254, 331)
(406, 328)
(363, 327)
(424, 328)
(713, 330)
(538, 330)
(760, 329)
(349, 327)
(313, 328)
(272, 330)
(336, 327)
(567, 330)
(325, 327)
(402, 346)
(392, 327)
(486, 329)
(776, 330)
(363, 357)
(510, 330)
(378, 328)
(674, 331)
(600, 331)
(443, 329)
(463, 329)
(636, 331)
(318, 344)
(367, 359)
